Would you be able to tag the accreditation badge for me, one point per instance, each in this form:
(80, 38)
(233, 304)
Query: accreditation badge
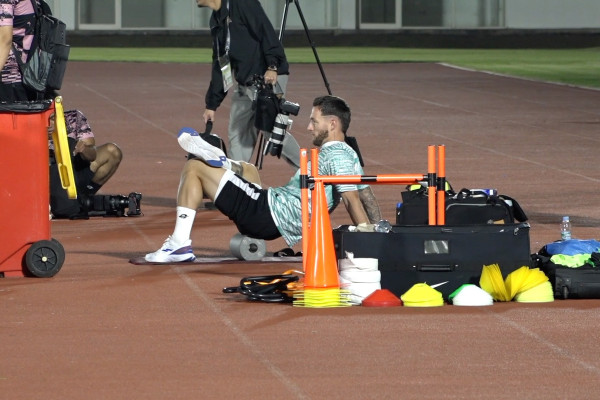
(226, 72)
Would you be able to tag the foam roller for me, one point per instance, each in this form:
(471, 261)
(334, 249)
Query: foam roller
(247, 248)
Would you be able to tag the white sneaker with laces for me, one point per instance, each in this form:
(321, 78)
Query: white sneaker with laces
(171, 252)
(191, 142)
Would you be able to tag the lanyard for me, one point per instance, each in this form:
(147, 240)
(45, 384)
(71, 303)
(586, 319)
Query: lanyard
(228, 40)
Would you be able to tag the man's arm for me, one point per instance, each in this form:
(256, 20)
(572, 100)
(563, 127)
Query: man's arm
(370, 204)
(260, 26)
(86, 148)
(6, 35)
(355, 208)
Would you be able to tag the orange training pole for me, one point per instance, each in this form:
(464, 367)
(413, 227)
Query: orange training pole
(441, 188)
(304, 202)
(431, 187)
(401, 179)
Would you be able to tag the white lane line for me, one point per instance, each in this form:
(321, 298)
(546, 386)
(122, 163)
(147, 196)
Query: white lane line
(129, 111)
(553, 347)
(245, 340)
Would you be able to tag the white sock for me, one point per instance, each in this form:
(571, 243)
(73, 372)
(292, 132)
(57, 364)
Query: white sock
(183, 225)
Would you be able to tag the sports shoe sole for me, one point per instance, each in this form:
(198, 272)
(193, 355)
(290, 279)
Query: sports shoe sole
(182, 254)
(171, 258)
(191, 142)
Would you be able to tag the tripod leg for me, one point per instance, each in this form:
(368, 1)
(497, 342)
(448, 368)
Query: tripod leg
(260, 142)
(312, 44)
(284, 20)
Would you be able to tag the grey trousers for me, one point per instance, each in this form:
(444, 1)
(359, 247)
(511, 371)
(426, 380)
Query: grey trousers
(242, 133)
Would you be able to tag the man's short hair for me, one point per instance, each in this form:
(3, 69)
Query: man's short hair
(336, 106)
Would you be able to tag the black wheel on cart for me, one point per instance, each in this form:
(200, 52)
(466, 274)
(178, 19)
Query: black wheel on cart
(45, 258)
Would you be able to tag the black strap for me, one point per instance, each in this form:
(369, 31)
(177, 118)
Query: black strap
(351, 141)
(18, 54)
(268, 288)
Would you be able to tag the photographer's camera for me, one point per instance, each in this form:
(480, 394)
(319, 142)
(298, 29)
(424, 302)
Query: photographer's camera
(272, 115)
(112, 205)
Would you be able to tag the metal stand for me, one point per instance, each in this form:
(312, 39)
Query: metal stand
(310, 41)
(261, 135)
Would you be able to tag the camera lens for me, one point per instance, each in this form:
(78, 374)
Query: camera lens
(274, 145)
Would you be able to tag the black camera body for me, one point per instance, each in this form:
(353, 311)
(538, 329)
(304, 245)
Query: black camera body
(271, 114)
(288, 108)
(112, 205)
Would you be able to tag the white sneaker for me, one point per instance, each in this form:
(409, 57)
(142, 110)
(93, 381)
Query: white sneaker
(191, 142)
(170, 252)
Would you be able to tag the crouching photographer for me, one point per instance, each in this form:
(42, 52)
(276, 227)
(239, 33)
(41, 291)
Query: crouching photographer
(93, 166)
(272, 118)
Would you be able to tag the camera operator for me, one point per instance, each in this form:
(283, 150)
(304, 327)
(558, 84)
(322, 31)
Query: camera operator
(267, 213)
(92, 165)
(244, 44)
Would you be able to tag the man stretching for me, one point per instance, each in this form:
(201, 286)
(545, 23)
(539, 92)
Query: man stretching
(266, 213)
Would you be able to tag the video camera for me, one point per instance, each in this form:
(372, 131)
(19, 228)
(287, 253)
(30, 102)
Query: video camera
(271, 114)
(112, 205)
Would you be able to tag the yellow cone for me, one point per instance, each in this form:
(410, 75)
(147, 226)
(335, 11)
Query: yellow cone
(541, 293)
(422, 295)
(492, 282)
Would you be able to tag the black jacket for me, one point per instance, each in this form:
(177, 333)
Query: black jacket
(254, 45)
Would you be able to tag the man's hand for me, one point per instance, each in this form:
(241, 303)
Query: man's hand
(364, 227)
(270, 77)
(79, 147)
(86, 148)
(209, 115)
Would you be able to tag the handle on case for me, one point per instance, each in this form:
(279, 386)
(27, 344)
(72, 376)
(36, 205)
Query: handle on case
(209, 124)
(437, 268)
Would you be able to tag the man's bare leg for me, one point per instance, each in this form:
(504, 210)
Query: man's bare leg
(108, 158)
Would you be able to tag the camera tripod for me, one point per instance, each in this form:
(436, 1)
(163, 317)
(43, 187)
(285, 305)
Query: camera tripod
(262, 137)
(306, 31)
(350, 140)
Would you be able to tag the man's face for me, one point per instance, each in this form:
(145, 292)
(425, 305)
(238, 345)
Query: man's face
(51, 124)
(319, 127)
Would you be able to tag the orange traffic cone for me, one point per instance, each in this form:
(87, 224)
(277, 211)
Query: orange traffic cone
(321, 280)
(321, 266)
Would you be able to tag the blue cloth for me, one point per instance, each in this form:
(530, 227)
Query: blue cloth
(573, 247)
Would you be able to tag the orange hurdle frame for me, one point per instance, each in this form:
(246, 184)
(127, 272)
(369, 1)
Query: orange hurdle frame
(436, 185)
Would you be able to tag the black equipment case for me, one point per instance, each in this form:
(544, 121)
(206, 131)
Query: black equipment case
(467, 207)
(570, 283)
(573, 283)
(434, 254)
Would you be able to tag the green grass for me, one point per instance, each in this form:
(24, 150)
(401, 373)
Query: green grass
(570, 66)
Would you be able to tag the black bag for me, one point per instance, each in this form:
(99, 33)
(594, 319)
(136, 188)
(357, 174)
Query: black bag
(467, 207)
(47, 61)
(60, 203)
(212, 139)
(434, 254)
(570, 283)
(573, 283)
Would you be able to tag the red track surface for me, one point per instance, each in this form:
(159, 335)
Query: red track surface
(107, 329)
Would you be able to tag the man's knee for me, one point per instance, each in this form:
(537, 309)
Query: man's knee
(114, 152)
(250, 172)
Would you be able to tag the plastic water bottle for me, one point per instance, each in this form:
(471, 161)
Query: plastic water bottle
(565, 229)
(383, 226)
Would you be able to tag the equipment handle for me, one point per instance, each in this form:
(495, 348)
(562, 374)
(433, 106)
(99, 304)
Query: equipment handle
(209, 125)
(437, 268)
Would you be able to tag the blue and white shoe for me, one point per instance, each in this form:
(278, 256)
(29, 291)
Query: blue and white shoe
(171, 252)
(191, 142)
